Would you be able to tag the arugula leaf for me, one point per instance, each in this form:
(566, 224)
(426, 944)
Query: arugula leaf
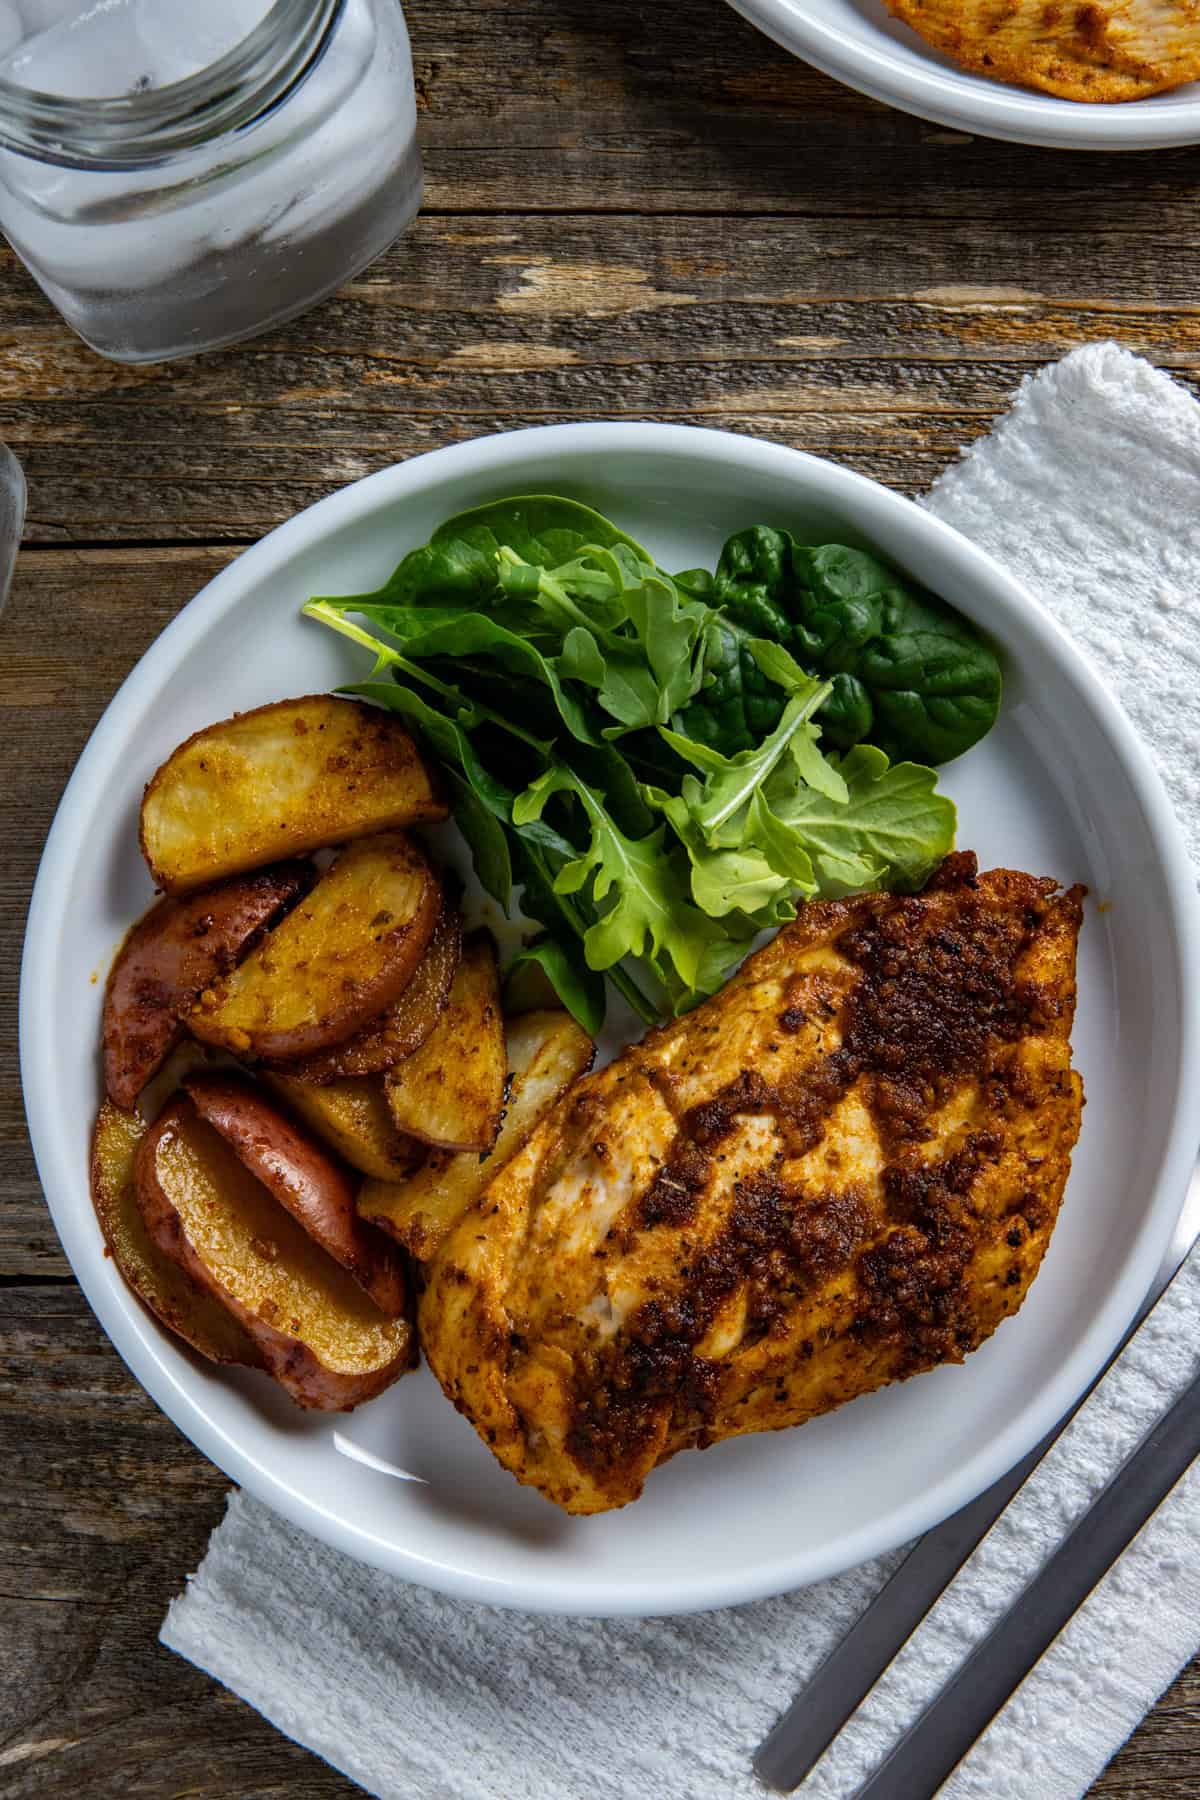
(638, 890)
(628, 632)
(731, 780)
(893, 830)
(733, 877)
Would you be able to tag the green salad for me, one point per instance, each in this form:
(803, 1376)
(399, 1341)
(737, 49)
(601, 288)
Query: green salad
(665, 765)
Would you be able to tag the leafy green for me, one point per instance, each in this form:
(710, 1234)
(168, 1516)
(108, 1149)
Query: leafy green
(893, 830)
(580, 989)
(729, 781)
(637, 888)
(735, 875)
(642, 759)
(737, 704)
(458, 564)
(909, 673)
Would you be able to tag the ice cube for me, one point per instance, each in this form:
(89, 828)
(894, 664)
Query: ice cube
(183, 40)
(83, 52)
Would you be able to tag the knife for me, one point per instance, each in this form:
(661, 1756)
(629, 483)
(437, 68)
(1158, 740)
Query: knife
(937, 1741)
(848, 1674)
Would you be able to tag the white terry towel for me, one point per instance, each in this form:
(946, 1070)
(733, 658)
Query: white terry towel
(1089, 490)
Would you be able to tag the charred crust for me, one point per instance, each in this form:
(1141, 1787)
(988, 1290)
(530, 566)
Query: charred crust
(940, 997)
(672, 1196)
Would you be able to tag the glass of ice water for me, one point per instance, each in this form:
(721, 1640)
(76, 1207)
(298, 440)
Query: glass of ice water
(179, 174)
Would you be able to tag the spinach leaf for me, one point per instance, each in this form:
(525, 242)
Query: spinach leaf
(910, 674)
(737, 704)
(457, 567)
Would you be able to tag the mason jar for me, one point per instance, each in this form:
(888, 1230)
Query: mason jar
(179, 174)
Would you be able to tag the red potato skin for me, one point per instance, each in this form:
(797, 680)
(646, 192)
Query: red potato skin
(191, 1316)
(305, 1179)
(179, 948)
(399, 1031)
(361, 1001)
(291, 1363)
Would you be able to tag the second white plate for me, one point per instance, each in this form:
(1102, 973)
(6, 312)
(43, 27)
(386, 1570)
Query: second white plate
(858, 42)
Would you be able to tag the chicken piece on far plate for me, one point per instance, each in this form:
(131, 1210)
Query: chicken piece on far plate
(1102, 50)
(842, 1170)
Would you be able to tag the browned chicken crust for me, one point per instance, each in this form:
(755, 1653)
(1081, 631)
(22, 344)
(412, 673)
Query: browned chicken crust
(1101, 50)
(842, 1170)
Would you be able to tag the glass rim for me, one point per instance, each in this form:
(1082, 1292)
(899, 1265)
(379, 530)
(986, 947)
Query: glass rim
(123, 131)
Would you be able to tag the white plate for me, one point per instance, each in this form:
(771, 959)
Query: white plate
(1061, 787)
(860, 43)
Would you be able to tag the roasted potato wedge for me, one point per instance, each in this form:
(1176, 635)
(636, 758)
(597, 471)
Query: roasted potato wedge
(352, 1117)
(159, 1283)
(405, 1025)
(279, 781)
(450, 1092)
(306, 1180)
(180, 948)
(546, 1051)
(341, 956)
(317, 1332)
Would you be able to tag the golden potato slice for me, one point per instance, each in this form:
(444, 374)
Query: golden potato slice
(405, 1025)
(546, 1051)
(339, 957)
(317, 1332)
(159, 1283)
(277, 781)
(450, 1092)
(304, 1178)
(352, 1116)
(179, 948)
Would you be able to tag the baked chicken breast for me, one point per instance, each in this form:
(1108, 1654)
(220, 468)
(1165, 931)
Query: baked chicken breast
(842, 1170)
(1077, 49)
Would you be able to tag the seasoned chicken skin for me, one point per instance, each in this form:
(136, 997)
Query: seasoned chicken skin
(1077, 49)
(842, 1170)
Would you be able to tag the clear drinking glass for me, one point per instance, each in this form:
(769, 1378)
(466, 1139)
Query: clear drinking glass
(179, 174)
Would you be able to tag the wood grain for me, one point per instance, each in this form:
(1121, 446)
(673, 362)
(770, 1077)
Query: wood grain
(631, 212)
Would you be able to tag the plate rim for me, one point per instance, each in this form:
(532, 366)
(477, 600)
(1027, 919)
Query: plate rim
(142, 1344)
(1013, 115)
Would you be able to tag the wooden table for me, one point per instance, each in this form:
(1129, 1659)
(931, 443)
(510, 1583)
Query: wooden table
(633, 212)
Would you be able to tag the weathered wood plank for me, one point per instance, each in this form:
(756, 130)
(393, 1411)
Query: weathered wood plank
(837, 338)
(636, 108)
(106, 1509)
